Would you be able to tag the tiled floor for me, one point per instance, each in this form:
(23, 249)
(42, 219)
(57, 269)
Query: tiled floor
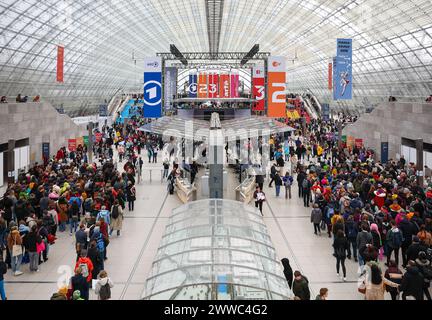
(131, 255)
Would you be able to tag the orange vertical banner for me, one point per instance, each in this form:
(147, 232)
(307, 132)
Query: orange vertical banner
(277, 87)
(60, 64)
(330, 76)
(202, 86)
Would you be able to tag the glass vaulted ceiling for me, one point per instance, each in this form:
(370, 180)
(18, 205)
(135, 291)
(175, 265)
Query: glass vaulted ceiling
(392, 43)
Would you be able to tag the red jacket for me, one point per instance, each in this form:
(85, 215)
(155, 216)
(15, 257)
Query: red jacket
(89, 264)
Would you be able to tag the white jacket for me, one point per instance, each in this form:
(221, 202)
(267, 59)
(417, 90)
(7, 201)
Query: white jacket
(100, 283)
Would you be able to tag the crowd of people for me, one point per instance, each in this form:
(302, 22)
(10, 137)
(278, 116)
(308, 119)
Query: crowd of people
(70, 194)
(374, 212)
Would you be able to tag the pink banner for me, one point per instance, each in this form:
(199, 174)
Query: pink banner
(235, 79)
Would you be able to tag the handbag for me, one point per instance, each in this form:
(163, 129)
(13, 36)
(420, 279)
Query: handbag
(17, 249)
(40, 247)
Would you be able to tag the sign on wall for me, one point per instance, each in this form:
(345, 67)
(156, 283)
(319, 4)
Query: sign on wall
(342, 89)
(153, 87)
(258, 90)
(276, 87)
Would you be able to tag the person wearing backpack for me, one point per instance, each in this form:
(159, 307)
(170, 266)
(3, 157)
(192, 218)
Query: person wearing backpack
(100, 244)
(116, 218)
(103, 286)
(407, 229)
(86, 266)
(351, 228)
(306, 186)
(316, 218)
(288, 181)
(394, 242)
(341, 246)
(364, 238)
(425, 268)
(278, 183)
(79, 283)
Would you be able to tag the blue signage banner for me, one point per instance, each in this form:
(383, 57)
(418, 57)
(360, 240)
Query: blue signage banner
(384, 152)
(45, 151)
(326, 112)
(193, 86)
(342, 68)
(103, 110)
(153, 88)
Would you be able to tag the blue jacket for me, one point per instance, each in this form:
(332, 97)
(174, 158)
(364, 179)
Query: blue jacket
(104, 214)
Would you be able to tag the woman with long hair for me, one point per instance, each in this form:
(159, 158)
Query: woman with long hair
(341, 247)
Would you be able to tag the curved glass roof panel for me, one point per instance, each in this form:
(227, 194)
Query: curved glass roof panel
(216, 249)
(105, 41)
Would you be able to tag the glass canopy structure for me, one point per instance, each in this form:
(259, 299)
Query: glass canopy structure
(216, 250)
(105, 41)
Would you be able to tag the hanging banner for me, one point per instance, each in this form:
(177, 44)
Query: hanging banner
(342, 89)
(103, 110)
(72, 146)
(193, 85)
(86, 140)
(384, 152)
(213, 85)
(325, 112)
(202, 86)
(276, 87)
(170, 87)
(80, 141)
(45, 152)
(60, 64)
(224, 86)
(330, 76)
(153, 87)
(359, 143)
(235, 82)
(258, 91)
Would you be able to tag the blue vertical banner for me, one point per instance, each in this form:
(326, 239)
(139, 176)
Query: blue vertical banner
(326, 112)
(384, 152)
(153, 87)
(193, 85)
(342, 68)
(103, 110)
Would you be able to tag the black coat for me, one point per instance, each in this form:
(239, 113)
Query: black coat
(30, 241)
(341, 246)
(78, 282)
(412, 283)
(414, 250)
(407, 229)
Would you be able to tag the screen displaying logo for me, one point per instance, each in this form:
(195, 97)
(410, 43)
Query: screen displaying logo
(152, 93)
